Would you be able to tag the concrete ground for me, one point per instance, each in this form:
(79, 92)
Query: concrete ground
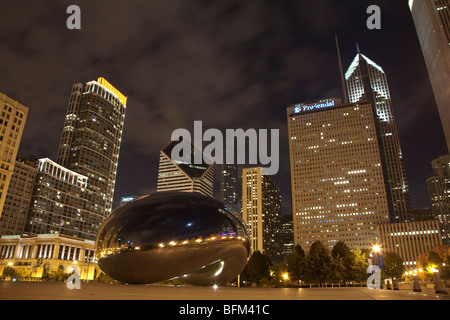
(91, 291)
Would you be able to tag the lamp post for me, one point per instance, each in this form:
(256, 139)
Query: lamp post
(439, 286)
(416, 285)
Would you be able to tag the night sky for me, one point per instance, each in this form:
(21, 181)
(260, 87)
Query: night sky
(231, 64)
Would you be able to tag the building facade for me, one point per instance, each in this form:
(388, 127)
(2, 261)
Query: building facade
(261, 211)
(18, 197)
(366, 81)
(13, 116)
(439, 191)
(46, 255)
(90, 141)
(432, 22)
(229, 189)
(184, 176)
(59, 203)
(410, 239)
(337, 181)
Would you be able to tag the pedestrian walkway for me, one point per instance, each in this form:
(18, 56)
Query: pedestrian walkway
(91, 291)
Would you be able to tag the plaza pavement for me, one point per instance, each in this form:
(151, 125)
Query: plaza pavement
(91, 291)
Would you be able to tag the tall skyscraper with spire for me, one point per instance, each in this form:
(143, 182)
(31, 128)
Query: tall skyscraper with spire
(367, 81)
(432, 21)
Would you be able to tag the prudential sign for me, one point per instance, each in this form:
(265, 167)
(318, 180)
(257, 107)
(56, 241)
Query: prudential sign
(310, 107)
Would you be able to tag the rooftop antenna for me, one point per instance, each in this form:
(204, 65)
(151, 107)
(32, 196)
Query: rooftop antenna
(357, 48)
(344, 86)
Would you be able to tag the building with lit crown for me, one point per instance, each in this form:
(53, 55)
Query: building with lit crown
(91, 138)
(367, 81)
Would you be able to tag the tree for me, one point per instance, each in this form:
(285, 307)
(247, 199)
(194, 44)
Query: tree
(296, 264)
(342, 261)
(393, 265)
(257, 268)
(359, 268)
(318, 263)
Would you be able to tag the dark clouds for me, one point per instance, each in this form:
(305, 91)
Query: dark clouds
(231, 64)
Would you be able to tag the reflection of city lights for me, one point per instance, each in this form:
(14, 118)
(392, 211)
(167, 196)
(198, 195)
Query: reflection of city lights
(162, 245)
(172, 243)
(222, 263)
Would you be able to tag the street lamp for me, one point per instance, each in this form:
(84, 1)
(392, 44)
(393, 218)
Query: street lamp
(439, 286)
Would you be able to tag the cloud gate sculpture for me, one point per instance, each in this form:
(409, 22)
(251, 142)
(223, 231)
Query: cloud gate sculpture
(168, 235)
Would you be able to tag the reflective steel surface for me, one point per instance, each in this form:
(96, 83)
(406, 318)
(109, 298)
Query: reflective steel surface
(173, 234)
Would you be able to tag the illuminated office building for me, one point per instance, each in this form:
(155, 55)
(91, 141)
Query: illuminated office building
(366, 81)
(12, 122)
(59, 203)
(261, 211)
(337, 181)
(409, 239)
(432, 21)
(18, 198)
(439, 191)
(184, 176)
(90, 143)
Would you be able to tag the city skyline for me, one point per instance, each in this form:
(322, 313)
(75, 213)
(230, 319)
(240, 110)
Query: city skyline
(214, 79)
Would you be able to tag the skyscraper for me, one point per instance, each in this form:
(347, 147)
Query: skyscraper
(90, 141)
(184, 176)
(439, 191)
(432, 21)
(261, 211)
(337, 181)
(228, 192)
(12, 122)
(366, 81)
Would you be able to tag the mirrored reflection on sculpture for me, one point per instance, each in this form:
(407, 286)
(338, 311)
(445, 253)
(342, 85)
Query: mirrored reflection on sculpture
(168, 235)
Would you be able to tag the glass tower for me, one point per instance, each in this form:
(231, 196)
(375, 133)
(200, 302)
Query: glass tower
(366, 81)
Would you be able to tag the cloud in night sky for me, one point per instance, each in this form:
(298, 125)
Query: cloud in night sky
(232, 64)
